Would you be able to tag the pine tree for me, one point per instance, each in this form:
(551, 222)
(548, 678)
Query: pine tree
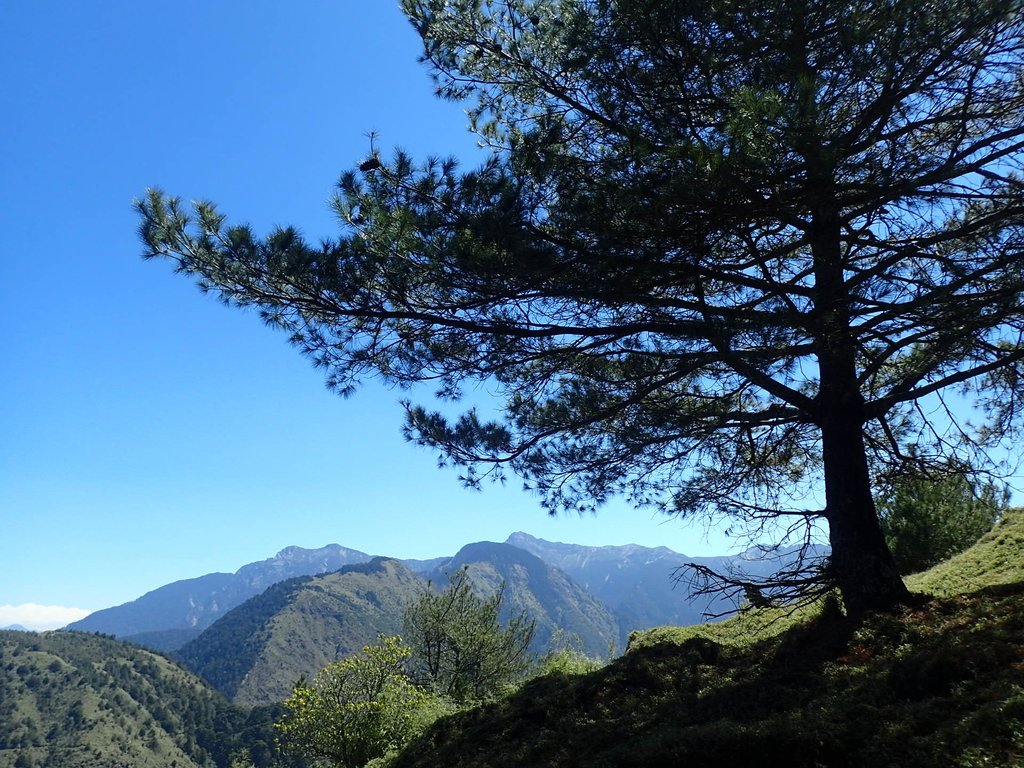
(929, 518)
(721, 254)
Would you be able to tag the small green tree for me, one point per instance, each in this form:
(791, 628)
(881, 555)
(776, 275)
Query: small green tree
(927, 518)
(460, 648)
(357, 709)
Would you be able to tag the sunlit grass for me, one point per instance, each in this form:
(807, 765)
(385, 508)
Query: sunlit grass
(997, 558)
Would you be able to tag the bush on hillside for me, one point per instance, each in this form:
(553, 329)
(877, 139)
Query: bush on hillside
(929, 518)
(358, 709)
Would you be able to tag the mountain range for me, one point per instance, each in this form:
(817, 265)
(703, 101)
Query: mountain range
(635, 583)
(253, 633)
(175, 613)
(644, 586)
(938, 684)
(256, 651)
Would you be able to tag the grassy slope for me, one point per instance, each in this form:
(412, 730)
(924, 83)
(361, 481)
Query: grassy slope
(941, 685)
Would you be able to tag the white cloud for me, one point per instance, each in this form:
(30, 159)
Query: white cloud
(40, 617)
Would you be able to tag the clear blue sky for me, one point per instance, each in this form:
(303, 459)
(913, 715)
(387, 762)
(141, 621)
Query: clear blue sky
(147, 433)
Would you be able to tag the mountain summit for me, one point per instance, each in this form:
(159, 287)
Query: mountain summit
(173, 614)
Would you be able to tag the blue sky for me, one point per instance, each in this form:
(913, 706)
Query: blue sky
(148, 433)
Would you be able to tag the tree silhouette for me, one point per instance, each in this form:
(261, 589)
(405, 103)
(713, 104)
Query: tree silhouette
(721, 254)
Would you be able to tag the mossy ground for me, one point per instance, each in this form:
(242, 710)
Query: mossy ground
(937, 685)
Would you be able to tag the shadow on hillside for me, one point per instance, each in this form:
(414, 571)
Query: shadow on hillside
(931, 686)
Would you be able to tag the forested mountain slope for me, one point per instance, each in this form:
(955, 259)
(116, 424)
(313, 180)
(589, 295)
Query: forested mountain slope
(74, 700)
(257, 652)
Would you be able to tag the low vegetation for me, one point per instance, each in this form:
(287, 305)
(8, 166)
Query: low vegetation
(460, 648)
(929, 518)
(358, 709)
(369, 705)
(939, 684)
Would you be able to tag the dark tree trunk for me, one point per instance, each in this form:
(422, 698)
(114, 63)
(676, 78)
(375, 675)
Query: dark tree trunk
(862, 565)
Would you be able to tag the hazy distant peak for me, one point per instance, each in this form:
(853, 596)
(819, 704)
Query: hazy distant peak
(490, 551)
(294, 553)
(299, 561)
(494, 551)
(485, 546)
(520, 538)
(194, 604)
(531, 543)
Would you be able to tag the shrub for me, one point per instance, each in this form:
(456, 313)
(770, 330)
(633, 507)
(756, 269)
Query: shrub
(929, 518)
(358, 709)
(567, 662)
(460, 648)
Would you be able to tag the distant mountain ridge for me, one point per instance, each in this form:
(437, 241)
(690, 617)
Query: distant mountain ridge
(636, 583)
(175, 613)
(557, 603)
(632, 584)
(641, 585)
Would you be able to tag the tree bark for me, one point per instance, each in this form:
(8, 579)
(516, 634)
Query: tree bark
(862, 565)
(861, 562)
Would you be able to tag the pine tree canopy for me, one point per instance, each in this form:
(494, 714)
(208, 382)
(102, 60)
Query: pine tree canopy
(720, 254)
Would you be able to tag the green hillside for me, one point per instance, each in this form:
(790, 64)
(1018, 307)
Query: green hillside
(74, 700)
(257, 651)
(938, 685)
